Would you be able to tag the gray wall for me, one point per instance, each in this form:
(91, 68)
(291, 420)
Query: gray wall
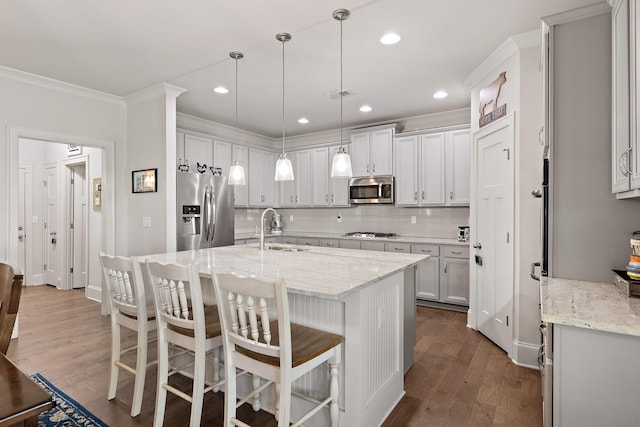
(591, 229)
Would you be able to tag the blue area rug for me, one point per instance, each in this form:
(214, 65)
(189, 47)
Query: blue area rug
(67, 412)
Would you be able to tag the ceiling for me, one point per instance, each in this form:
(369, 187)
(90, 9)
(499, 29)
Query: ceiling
(122, 46)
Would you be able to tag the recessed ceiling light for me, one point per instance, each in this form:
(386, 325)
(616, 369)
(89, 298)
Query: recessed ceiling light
(440, 94)
(221, 89)
(303, 120)
(390, 38)
(365, 108)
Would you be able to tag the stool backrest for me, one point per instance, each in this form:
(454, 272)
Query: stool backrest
(248, 307)
(178, 296)
(125, 285)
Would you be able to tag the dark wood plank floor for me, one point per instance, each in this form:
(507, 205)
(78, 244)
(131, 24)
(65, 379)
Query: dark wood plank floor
(459, 378)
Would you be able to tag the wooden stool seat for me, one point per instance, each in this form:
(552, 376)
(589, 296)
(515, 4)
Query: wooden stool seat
(212, 324)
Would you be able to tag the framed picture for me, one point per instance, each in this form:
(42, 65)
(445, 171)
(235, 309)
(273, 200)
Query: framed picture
(97, 194)
(144, 181)
(73, 150)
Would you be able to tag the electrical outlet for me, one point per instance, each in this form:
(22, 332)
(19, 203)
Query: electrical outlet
(146, 221)
(290, 218)
(413, 219)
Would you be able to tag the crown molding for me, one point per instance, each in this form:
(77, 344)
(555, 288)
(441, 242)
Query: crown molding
(58, 86)
(159, 90)
(579, 13)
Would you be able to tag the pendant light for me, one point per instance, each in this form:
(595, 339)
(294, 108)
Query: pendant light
(284, 168)
(236, 172)
(341, 165)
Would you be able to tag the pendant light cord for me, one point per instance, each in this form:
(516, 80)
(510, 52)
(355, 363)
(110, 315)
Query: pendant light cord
(341, 94)
(236, 93)
(283, 96)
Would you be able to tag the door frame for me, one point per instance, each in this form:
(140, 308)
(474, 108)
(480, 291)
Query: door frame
(28, 226)
(69, 164)
(108, 188)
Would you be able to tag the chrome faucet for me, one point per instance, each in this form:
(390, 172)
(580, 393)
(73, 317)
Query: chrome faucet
(262, 248)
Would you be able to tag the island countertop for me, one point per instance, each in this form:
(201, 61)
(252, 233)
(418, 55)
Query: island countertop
(592, 305)
(316, 271)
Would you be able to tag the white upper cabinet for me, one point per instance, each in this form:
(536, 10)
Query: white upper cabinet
(320, 176)
(625, 158)
(433, 169)
(260, 177)
(372, 152)
(222, 153)
(298, 191)
(458, 165)
(197, 150)
(241, 192)
(339, 194)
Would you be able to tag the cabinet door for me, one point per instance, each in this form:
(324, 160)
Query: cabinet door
(198, 150)
(458, 166)
(360, 154)
(241, 192)
(620, 102)
(428, 279)
(254, 177)
(381, 152)
(432, 167)
(406, 158)
(222, 156)
(339, 187)
(349, 244)
(302, 167)
(268, 171)
(372, 246)
(320, 176)
(454, 281)
(330, 243)
(287, 193)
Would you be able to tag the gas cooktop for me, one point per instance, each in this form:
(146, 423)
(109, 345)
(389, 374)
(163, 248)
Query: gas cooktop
(369, 234)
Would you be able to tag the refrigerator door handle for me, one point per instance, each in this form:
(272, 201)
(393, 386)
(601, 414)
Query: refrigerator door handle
(533, 270)
(209, 214)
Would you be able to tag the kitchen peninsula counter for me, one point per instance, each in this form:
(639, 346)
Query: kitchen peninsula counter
(594, 329)
(591, 305)
(368, 297)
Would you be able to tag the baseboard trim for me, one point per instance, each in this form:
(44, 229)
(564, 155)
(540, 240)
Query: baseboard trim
(94, 293)
(525, 354)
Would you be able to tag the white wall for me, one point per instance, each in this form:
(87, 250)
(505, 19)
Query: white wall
(591, 229)
(40, 108)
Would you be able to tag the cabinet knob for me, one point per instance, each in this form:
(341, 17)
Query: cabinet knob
(477, 246)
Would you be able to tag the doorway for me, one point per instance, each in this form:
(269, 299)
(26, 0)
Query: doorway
(77, 215)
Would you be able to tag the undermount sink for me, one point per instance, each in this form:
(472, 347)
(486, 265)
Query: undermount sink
(283, 248)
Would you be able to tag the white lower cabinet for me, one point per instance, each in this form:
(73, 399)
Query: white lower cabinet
(372, 246)
(308, 241)
(349, 244)
(445, 276)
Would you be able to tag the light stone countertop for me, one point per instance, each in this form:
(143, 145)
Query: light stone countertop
(399, 239)
(325, 272)
(590, 305)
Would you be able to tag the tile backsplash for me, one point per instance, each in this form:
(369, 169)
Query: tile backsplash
(436, 222)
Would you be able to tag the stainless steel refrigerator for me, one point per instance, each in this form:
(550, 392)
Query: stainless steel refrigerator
(205, 210)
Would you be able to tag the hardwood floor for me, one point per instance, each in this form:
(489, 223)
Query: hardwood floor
(459, 377)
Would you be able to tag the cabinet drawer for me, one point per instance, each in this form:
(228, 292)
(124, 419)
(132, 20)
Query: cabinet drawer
(307, 241)
(372, 246)
(330, 243)
(397, 247)
(349, 244)
(424, 249)
(455, 251)
(288, 240)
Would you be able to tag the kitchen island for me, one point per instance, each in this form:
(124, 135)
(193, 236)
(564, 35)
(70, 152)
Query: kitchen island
(595, 350)
(368, 297)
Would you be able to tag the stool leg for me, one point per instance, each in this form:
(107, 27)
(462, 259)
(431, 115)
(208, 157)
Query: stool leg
(334, 391)
(256, 403)
(115, 355)
(216, 367)
(163, 377)
(141, 371)
(198, 386)
(284, 404)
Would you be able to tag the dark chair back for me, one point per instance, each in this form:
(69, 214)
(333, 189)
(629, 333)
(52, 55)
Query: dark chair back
(10, 290)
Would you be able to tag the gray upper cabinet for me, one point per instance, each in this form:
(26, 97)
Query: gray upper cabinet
(625, 158)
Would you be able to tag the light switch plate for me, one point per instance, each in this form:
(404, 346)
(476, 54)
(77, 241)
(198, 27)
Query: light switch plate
(146, 221)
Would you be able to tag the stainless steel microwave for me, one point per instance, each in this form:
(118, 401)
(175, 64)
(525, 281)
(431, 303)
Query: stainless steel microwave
(374, 190)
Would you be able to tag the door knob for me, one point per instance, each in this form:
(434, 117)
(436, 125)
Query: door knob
(21, 237)
(477, 246)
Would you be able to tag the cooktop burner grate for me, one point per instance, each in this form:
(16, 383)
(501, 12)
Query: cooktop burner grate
(369, 234)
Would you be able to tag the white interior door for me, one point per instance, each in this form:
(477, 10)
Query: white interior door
(494, 243)
(50, 226)
(78, 226)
